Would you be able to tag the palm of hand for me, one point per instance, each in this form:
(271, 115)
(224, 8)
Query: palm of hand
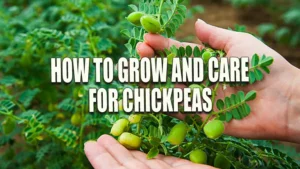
(272, 94)
(108, 153)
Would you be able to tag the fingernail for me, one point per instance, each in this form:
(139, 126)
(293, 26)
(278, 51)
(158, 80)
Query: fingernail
(145, 36)
(139, 43)
(89, 141)
(200, 21)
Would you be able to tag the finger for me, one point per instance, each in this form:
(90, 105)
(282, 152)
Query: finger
(217, 38)
(98, 156)
(158, 42)
(172, 161)
(120, 153)
(194, 166)
(153, 163)
(144, 50)
(181, 163)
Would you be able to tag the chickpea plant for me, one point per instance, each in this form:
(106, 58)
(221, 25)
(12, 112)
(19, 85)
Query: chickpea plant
(196, 139)
(45, 125)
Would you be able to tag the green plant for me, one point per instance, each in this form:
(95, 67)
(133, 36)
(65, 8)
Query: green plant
(134, 118)
(44, 137)
(177, 134)
(119, 127)
(214, 129)
(285, 23)
(31, 33)
(130, 141)
(198, 156)
(221, 162)
(167, 135)
(135, 18)
(150, 24)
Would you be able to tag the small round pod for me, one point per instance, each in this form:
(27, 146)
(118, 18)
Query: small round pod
(8, 125)
(76, 119)
(135, 18)
(206, 56)
(150, 24)
(221, 162)
(198, 156)
(119, 127)
(130, 141)
(135, 118)
(170, 58)
(214, 129)
(177, 133)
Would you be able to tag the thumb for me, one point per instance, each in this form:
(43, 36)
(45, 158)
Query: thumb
(216, 37)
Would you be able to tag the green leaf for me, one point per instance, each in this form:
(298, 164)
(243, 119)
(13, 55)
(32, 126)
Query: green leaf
(235, 114)
(6, 105)
(258, 75)
(241, 95)
(233, 99)
(266, 69)
(250, 96)
(197, 52)
(152, 153)
(282, 34)
(181, 51)
(247, 108)
(189, 51)
(227, 102)
(228, 117)
(133, 7)
(165, 149)
(252, 77)
(267, 61)
(255, 60)
(154, 141)
(220, 104)
(27, 96)
(266, 28)
(222, 117)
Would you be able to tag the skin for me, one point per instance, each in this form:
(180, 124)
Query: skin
(275, 111)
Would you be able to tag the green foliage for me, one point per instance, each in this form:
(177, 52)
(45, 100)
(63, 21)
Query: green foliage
(235, 106)
(155, 129)
(32, 33)
(44, 137)
(170, 20)
(285, 25)
(258, 64)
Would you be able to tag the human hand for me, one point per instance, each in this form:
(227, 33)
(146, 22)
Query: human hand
(275, 111)
(108, 153)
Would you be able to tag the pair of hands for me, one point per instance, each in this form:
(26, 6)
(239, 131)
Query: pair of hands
(275, 111)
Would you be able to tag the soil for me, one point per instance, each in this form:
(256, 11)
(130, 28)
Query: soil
(224, 15)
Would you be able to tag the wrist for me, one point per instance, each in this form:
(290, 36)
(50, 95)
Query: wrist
(293, 112)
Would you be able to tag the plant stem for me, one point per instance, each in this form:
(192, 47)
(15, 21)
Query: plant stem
(81, 127)
(138, 126)
(90, 36)
(173, 13)
(160, 9)
(154, 118)
(11, 115)
(213, 103)
(229, 108)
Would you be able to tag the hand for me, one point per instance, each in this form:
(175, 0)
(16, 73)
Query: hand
(276, 111)
(108, 153)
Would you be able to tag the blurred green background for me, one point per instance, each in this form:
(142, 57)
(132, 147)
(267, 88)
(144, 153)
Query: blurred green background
(32, 31)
